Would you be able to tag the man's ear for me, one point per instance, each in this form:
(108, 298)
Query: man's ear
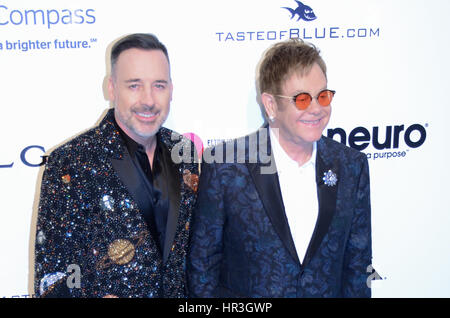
(111, 89)
(270, 104)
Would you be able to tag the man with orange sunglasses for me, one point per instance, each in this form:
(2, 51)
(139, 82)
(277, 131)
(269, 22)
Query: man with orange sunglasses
(301, 229)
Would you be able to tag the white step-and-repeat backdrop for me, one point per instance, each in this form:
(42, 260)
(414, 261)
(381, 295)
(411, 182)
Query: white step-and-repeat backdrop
(387, 60)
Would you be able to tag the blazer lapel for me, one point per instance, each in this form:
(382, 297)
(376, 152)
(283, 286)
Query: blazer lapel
(327, 195)
(141, 192)
(134, 184)
(173, 188)
(121, 161)
(268, 187)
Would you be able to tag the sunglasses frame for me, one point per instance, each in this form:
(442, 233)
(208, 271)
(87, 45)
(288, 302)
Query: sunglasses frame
(294, 98)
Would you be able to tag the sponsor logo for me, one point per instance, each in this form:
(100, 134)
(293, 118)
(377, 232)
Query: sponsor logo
(392, 145)
(45, 17)
(21, 296)
(29, 156)
(303, 12)
(315, 29)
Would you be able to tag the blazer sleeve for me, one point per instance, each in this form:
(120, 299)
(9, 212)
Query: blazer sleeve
(358, 253)
(206, 246)
(55, 245)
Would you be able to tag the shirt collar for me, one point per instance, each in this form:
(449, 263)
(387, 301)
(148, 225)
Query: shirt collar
(282, 159)
(130, 143)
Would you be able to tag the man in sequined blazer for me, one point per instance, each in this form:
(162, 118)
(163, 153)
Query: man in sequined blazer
(285, 211)
(115, 202)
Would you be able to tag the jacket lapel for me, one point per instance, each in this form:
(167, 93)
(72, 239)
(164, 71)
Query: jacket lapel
(121, 161)
(327, 195)
(268, 187)
(136, 186)
(173, 188)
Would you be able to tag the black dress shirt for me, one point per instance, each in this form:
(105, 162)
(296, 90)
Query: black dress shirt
(155, 215)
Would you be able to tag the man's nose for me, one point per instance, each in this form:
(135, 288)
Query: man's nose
(147, 97)
(314, 107)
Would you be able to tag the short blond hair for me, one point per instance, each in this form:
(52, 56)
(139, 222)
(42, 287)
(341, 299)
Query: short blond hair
(283, 58)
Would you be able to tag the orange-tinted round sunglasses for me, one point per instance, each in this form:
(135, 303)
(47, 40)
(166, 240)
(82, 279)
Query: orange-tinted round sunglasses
(303, 100)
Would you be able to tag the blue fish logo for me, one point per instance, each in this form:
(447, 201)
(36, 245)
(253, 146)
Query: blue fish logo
(303, 12)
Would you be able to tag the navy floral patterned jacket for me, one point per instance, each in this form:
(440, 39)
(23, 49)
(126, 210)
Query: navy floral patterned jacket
(241, 245)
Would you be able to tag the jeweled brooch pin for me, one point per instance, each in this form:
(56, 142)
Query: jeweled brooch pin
(329, 178)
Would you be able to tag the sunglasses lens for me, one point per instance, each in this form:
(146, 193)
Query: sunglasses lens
(325, 98)
(302, 101)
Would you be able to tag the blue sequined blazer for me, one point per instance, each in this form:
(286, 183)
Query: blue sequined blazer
(241, 244)
(91, 238)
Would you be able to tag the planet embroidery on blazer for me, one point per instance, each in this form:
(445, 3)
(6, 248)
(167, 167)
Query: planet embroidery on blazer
(65, 178)
(121, 251)
(190, 179)
(40, 238)
(107, 202)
